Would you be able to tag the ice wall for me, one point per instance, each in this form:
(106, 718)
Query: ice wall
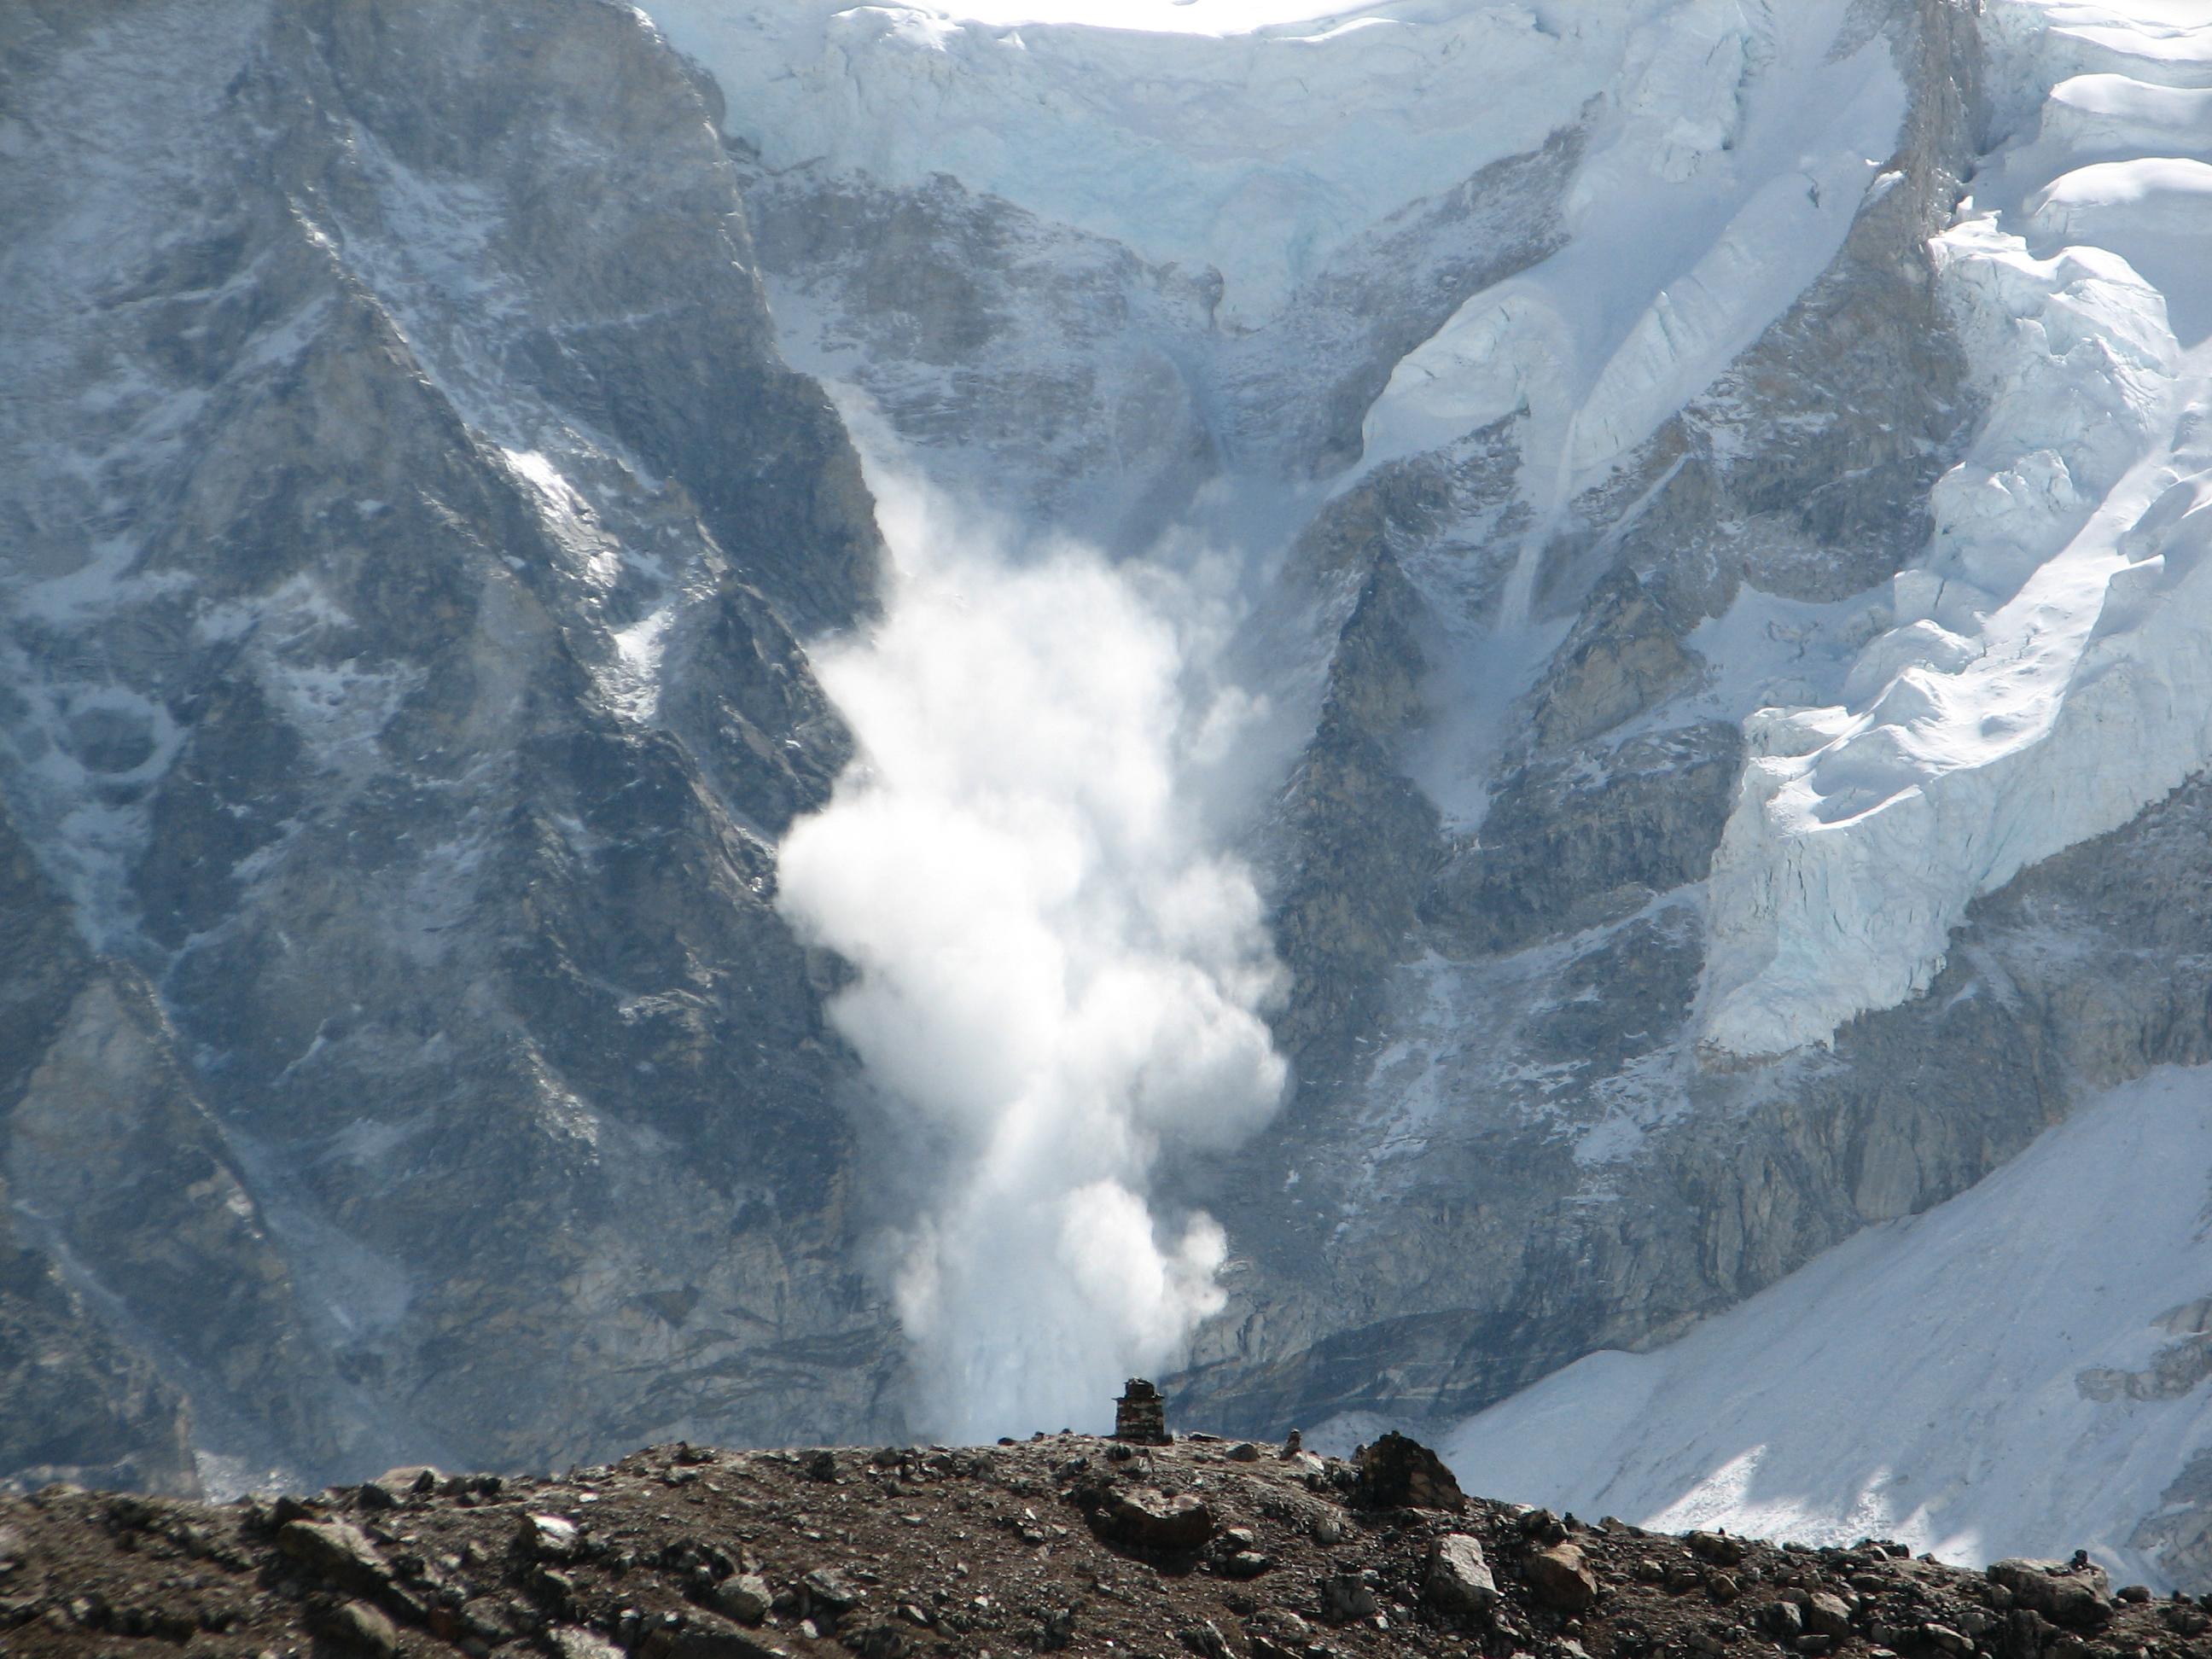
(2049, 669)
(1259, 151)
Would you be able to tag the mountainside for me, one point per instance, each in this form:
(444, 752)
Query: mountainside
(792, 722)
(410, 519)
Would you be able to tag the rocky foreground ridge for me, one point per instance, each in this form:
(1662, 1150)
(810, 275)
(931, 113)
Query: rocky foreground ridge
(1064, 1542)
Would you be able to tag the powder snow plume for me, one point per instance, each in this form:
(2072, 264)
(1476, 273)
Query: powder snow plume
(1060, 982)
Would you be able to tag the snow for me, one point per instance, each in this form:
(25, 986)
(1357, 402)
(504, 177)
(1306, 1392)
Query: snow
(1922, 1380)
(1152, 16)
(1732, 157)
(1260, 146)
(2049, 669)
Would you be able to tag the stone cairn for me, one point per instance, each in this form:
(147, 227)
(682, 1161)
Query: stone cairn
(1141, 1416)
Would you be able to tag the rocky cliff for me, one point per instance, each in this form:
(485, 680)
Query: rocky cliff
(410, 522)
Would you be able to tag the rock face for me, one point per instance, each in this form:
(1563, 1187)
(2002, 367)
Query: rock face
(411, 524)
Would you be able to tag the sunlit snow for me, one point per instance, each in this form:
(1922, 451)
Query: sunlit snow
(1934, 1379)
(2050, 672)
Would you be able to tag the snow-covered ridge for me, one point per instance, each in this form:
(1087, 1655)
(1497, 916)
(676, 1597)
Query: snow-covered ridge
(1258, 153)
(2049, 669)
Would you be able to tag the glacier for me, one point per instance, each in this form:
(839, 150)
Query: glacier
(1261, 150)
(2049, 669)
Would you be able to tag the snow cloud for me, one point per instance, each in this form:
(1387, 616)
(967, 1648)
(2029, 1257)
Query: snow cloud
(1060, 981)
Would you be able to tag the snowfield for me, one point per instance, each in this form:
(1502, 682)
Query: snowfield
(1959, 1380)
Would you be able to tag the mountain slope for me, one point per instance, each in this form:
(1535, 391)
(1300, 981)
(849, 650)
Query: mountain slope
(410, 521)
(2016, 1372)
(1656, 537)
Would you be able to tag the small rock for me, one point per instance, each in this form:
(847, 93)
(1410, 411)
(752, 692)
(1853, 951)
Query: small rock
(1243, 1452)
(828, 1591)
(547, 1537)
(1330, 1529)
(1459, 1579)
(362, 1627)
(2135, 1592)
(1204, 1639)
(1723, 1587)
(1346, 1597)
(1561, 1578)
(1058, 1631)
(1543, 1527)
(1943, 1636)
(573, 1641)
(745, 1596)
(1784, 1620)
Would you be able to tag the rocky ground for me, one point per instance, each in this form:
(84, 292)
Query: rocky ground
(1064, 1542)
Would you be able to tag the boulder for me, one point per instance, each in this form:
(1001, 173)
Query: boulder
(1459, 1580)
(1717, 1547)
(1827, 1614)
(357, 1628)
(1560, 1578)
(337, 1550)
(1153, 1521)
(708, 1638)
(1398, 1473)
(2076, 1594)
(745, 1597)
